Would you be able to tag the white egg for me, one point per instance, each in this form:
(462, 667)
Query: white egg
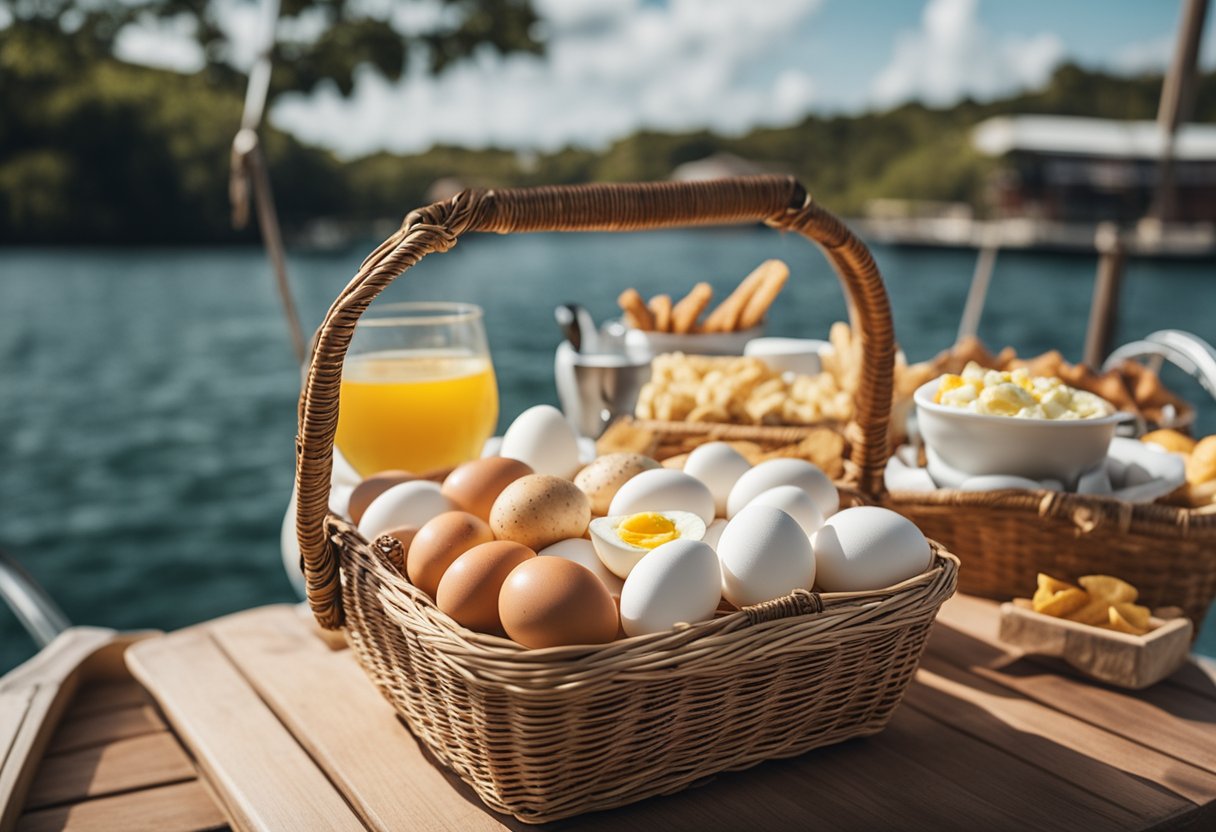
(719, 466)
(622, 540)
(678, 581)
(406, 504)
(774, 472)
(713, 533)
(581, 551)
(764, 554)
(663, 489)
(542, 438)
(867, 548)
(795, 502)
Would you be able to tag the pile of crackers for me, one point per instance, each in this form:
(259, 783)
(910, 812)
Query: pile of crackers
(743, 309)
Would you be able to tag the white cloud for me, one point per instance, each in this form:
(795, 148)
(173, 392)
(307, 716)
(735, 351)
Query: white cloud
(1152, 55)
(952, 55)
(164, 44)
(612, 67)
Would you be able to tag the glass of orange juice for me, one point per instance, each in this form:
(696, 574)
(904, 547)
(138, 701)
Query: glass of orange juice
(418, 390)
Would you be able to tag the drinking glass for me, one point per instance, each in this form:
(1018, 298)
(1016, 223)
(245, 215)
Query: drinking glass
(418, 389)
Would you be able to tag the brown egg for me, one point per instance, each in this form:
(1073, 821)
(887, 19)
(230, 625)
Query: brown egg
(439, 542)
(474, 486)
(469, 589)
(371, 488)
(549, 602)
(539, 510)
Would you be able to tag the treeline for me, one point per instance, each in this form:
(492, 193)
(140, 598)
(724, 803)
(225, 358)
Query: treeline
(111, 153)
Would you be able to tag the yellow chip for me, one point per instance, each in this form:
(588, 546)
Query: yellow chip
(1062, 603)
(1093, 613)
(1133, 614)
(1121, 624)
(1111, 590)
(1053, 585)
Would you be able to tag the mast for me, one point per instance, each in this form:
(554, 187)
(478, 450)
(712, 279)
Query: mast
(248, 176)
(1177, 103)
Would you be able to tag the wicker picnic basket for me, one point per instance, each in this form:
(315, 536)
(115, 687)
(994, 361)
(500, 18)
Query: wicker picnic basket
(1005, 538)
(546, 734)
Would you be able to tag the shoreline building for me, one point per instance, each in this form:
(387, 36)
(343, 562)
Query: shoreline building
(1069, 169)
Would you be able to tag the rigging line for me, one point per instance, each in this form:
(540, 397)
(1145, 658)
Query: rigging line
(249, 177)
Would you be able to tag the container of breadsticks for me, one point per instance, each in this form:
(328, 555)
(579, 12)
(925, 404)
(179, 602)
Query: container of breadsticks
(693, 325)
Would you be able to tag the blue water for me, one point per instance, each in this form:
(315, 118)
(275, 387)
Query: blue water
(147, 397)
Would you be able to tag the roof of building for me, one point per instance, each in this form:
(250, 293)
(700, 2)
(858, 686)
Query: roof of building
(1091, 137)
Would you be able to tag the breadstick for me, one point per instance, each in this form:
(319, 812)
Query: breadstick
(635, 310)
(684, 315)
(660, 307)
(726, 317)
(764, 296)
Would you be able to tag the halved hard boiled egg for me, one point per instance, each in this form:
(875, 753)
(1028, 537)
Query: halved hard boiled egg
(624, 539)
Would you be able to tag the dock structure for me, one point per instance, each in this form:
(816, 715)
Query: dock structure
(1057, 179)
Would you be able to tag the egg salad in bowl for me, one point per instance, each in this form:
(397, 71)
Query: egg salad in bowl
(1018, 394)
(988, 422)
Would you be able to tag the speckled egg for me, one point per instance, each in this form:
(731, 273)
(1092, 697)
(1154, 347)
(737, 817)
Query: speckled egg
(539, 510)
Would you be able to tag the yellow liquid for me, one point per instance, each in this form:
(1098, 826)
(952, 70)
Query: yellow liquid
(416, 410)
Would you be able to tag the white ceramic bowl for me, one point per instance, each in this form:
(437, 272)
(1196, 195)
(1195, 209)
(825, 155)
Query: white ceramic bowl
(1037, 449)
(704, 343)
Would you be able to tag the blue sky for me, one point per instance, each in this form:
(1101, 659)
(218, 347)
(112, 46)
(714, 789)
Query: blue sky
(614, 66)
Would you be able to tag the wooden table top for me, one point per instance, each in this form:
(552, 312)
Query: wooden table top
(290, 734)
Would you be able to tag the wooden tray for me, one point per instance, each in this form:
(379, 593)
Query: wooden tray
(1119, 659)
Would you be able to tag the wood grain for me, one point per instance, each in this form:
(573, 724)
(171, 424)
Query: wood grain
(986, 739)
(329, 705)
(99, 728)
(96, 697)
(183, 807)
(266, 779)
(124, 765)
(45, 684)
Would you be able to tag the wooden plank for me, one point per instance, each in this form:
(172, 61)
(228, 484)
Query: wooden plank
(266, 779)
(395, 784)
(182, 807)
(104, 727)
(1111, 767)
(1167, 718)
(359, 743)
(47, 683)
(124, 765)
(334, 711)
(96, 697)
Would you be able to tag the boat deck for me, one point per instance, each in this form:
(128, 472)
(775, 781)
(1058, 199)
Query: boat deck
(114, 764)
(288, 734)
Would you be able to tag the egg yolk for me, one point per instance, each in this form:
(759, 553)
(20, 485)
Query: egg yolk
(647, 530)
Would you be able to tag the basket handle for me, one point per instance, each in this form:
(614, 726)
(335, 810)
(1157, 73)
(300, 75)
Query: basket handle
(778, 201)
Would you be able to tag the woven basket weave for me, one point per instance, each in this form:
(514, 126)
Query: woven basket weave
(546, 734)
(1005, 538)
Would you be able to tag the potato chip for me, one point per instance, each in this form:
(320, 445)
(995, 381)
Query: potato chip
(1133, 614)
(1053, 585)
(1062, 603)
(1108, 589)
(1119, 623)
(1093, 613)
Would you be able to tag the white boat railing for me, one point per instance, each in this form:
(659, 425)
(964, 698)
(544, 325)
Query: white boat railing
(40, 615)
(1185, 350)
